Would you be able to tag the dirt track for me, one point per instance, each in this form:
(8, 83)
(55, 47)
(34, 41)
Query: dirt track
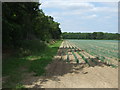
(62, 74)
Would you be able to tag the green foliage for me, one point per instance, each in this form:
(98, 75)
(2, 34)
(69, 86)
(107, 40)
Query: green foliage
(25, 30)
(14, 67)
(104, 50)
(29, 47)
(68, 58)
(25, 21)
(76, 59)
(94, 35)
(19, 86)
(10, 64)
(11, 70)
(107, 48)
(85, 59)
(37, 65)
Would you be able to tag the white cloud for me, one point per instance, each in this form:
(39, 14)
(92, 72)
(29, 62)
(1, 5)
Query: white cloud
(90, 16)
(66, 5)
(77, 7)
(80, 0)
(75, 16)
(104, 9)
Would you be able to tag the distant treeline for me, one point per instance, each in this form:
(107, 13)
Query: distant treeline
(94, 35)
(25, 21)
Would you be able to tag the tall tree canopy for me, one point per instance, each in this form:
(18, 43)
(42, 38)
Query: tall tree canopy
(94, 35)
(25, 21)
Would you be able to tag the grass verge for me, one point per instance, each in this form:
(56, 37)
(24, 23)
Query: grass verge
(34, 56)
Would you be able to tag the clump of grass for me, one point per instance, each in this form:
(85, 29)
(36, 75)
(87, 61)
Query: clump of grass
(19, 85)
(11, 68)
(38, 57)
(38, 65)
(30, 47)
(11, 64)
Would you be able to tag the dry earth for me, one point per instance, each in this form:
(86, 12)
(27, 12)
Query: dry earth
(62, 74)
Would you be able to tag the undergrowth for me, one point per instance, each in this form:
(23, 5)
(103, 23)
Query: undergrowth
(33, 56)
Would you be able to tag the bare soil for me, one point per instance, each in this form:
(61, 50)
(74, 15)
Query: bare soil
(62, 74)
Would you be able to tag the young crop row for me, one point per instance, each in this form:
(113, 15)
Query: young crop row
(102, 55)
(92, 47)
(69, 47)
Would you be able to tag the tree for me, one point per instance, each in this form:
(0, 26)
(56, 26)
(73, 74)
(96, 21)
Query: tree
(25, 21)
(94, 35)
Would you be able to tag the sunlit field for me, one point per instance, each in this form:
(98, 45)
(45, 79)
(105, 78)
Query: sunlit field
(105, 50)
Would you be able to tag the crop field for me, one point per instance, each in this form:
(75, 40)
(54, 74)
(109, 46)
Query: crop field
(81, 64)
(92, 52)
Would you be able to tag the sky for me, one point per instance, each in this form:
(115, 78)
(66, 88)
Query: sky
(76, 16)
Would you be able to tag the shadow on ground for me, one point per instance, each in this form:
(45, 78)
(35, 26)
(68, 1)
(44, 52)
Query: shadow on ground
(59, 67)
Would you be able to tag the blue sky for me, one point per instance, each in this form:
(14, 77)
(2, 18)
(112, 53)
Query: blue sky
(75, 16)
